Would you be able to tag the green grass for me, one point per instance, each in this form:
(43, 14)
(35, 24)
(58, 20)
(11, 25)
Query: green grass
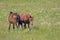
(46, 15)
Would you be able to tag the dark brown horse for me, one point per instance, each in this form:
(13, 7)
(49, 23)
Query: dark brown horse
(26, 19)
(13, 19)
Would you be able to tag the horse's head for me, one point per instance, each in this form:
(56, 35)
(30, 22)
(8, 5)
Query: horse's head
(31, 20)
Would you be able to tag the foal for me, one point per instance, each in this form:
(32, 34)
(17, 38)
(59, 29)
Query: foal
(26, 19)
(12, 19)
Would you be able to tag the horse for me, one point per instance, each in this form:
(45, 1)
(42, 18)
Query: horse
(26, 19)
(30, 18)
(13, 18)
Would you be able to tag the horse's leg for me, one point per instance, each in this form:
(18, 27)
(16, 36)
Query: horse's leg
(29, 26)
(18, 25)
(24, 25)
(9, 26)
(13, 26)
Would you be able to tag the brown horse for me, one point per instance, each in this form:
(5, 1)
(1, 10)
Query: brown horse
(30, 18)
(12, 19)
(26, 19)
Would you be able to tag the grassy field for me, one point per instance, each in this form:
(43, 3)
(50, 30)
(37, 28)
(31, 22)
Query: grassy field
(46, 15)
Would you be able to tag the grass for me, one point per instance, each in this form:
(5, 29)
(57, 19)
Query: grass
(46, 15)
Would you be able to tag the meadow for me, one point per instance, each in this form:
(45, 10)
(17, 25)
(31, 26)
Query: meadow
(46, 24)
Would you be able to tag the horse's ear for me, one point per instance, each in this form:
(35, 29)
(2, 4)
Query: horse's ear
(11, 12)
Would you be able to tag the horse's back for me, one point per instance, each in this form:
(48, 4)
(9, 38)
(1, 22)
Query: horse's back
(23, 17)
(12, 17)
